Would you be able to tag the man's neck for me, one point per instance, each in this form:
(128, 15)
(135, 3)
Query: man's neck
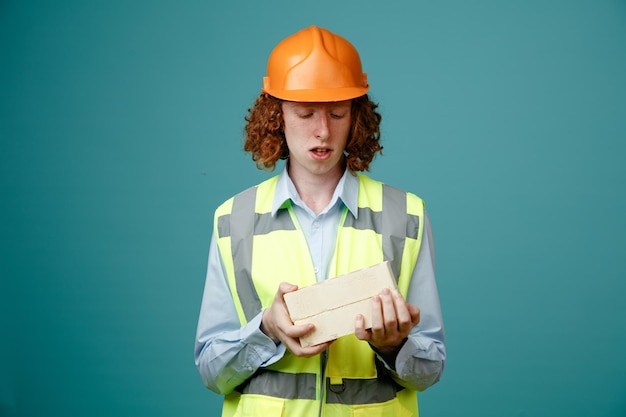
(317, 191)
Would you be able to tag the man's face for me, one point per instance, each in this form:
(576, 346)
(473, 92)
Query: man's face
(316, 135)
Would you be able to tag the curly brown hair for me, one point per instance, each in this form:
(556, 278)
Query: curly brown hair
(265, 137)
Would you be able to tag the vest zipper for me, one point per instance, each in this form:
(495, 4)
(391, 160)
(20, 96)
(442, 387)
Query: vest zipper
(323, 361)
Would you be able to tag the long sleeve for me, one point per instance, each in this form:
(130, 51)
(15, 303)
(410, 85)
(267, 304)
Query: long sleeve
(420, 362)
(227, 353)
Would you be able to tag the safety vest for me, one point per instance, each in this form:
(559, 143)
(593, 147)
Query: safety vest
(260, 251)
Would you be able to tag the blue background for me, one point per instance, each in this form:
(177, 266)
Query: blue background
(121, 131)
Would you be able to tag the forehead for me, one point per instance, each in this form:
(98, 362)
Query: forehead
(316, 105)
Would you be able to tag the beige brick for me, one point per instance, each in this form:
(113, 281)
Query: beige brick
(332, 305)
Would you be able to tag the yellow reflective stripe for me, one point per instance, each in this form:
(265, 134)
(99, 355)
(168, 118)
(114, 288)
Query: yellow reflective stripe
(415, 210)
(393, 226)
(265, 223)
(241, 223)
(366, 219)
(362, 391)
(281, 385)
(222, 227)
(302, 386)
(412, 226)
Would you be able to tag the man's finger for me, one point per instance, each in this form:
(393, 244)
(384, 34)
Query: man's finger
(360, 331)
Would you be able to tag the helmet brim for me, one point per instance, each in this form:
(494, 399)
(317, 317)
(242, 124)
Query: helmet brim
(320, 95)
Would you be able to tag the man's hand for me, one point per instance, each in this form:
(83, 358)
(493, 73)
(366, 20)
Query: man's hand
(392, 320)
(277, 325)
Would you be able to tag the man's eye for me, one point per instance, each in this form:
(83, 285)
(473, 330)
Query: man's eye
(337, 115)
(305, 115)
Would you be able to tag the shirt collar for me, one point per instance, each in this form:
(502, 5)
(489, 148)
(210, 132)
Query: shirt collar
(347, 191)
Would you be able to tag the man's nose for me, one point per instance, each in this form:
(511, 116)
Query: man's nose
(321, 128)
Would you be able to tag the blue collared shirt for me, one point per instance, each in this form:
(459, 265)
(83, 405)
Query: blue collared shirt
(227, 353)
(320, 230)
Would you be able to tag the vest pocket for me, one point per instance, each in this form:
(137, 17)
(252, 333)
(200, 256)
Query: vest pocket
(251, 405)
(390, 408)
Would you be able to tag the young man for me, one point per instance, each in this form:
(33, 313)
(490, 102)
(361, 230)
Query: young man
(318, 219)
